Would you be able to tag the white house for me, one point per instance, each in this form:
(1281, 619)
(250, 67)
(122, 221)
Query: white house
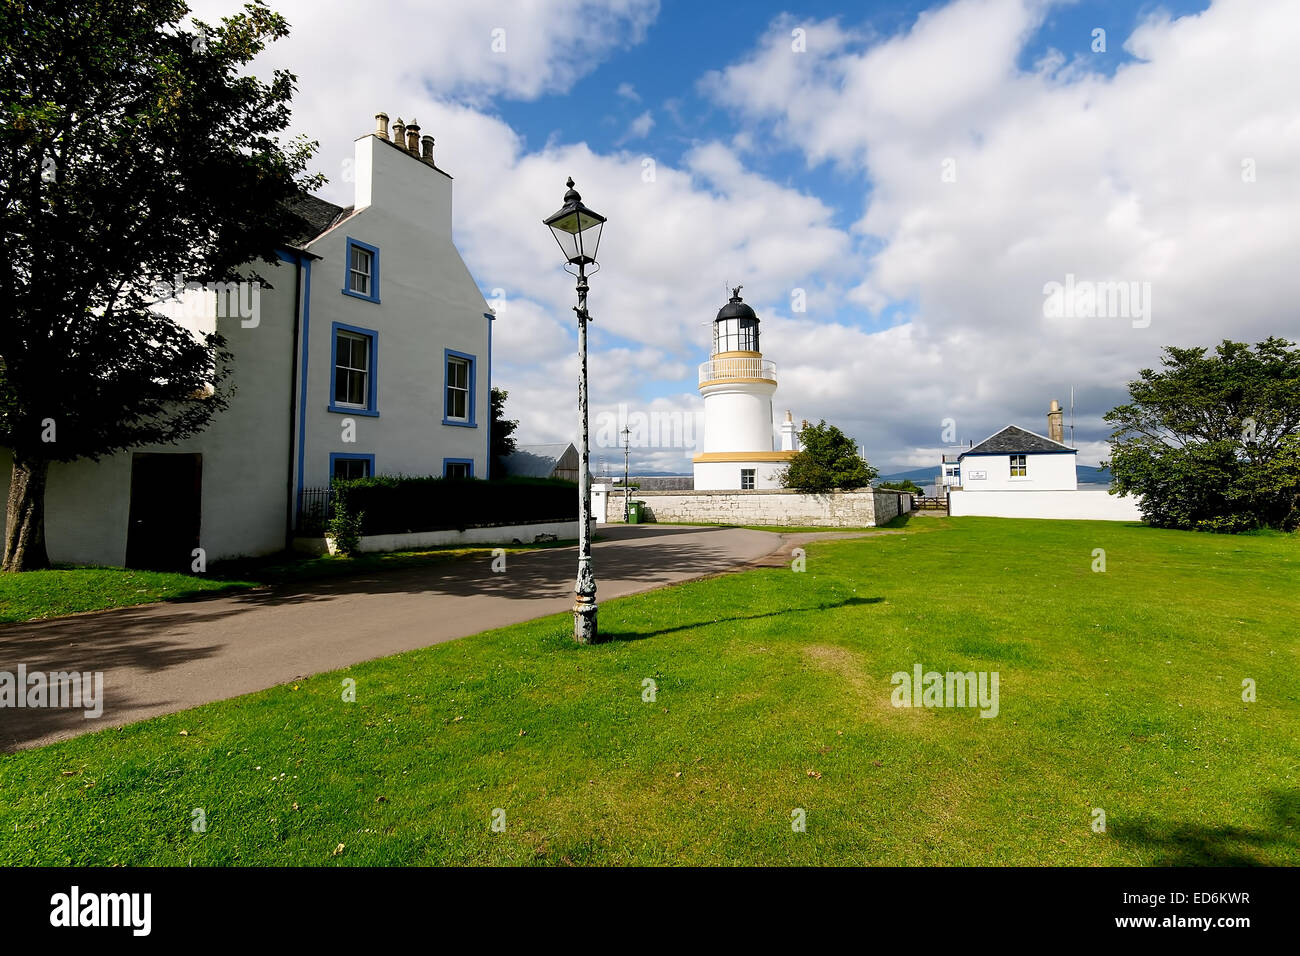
(1015, 459)
(1016, 473)
(371, 354)
(738, 450)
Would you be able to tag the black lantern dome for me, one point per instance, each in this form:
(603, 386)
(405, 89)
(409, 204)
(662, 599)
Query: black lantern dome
(736, 327)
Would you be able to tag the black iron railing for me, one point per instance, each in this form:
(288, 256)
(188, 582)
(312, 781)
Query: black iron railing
(313, 511)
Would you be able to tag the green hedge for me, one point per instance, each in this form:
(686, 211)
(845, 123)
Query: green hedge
(399, 504)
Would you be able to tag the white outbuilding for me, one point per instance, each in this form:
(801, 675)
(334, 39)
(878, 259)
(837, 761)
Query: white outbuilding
(1016, 459)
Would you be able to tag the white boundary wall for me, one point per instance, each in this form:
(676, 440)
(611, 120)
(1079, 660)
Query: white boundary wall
(502, 534)
(1096, 505)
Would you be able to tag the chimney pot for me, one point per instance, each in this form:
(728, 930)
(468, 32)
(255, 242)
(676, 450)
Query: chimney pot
(413, 137)
(381, 125)
(399, 133)
(426, 144)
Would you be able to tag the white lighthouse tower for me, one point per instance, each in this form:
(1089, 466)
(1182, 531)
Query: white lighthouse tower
(738, 384)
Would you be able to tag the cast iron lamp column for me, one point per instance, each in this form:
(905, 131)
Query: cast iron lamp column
(577, 230)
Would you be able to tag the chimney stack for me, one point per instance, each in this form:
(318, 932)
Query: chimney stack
(426, 148)
(1055, 422)
(788, 437)
(381, 125)
(413, 137)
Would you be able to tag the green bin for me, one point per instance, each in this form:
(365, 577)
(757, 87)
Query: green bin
(634, 512)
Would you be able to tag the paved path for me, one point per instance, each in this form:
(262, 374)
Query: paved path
(161, 658)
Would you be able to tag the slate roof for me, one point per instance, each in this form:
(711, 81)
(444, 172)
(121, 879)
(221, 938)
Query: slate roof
(536, 461)
(314, 216)
(1014, 440)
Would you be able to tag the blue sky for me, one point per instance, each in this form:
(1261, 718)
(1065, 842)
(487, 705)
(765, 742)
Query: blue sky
(818, 173)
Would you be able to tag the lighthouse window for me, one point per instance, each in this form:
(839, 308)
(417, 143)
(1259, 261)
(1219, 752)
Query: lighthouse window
(735, 335)
(747, 479)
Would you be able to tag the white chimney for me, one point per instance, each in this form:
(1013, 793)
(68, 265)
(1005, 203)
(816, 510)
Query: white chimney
(788, 442)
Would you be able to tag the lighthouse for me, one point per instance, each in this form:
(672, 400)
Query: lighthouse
(738, 384)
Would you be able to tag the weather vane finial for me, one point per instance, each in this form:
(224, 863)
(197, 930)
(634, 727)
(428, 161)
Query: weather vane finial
(735, 293)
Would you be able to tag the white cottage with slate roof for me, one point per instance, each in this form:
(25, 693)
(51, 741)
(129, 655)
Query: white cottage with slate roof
(371, 353)
(1016, 459)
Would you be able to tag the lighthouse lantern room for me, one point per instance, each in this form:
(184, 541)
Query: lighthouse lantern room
(737, 384)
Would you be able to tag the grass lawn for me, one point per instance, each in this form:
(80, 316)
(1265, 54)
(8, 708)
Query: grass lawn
(32, 595)
(1119, 691)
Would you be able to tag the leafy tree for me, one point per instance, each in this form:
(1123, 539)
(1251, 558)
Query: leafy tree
(132, 151)
(906, 484)
(502, 441)
(827, 460)
(1210, 440)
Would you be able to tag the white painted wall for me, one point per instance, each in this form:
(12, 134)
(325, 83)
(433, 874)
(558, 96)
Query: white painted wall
(428, 302)
(502, 535)
(1053, 471)
(738, 417)
(245, 455)
(721, 475)
(1094, 505)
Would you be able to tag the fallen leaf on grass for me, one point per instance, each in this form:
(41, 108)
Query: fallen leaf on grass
(814, 773)
(337, 850)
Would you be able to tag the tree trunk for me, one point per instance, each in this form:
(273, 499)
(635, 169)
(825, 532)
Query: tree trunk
(25, 516)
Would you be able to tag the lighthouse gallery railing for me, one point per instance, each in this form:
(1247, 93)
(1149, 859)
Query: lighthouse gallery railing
(740, 366)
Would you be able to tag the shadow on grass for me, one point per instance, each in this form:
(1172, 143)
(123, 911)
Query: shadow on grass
(1194, 844)
(642, 635)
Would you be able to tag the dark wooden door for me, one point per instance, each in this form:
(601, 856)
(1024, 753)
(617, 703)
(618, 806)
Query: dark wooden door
(166, 503)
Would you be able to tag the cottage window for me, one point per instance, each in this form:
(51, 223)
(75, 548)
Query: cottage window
(1018, 467)
(746, 479)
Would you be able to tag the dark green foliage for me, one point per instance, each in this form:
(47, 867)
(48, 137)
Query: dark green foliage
(502, 441)
(828, 460)
(907, 485)
(1210, 440)
(397, 504)
(133, 151)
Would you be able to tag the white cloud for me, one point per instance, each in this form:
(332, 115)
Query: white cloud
(1059, 170)
(628, 92)
(640, 127)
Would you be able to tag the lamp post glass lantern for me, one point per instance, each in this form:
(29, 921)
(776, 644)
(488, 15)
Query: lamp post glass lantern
(577, 231)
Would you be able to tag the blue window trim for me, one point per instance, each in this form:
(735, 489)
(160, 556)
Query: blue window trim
(473, 384)
(372, 398)
(374, 270)
(458, 461)
(351, 456)
(491, 317)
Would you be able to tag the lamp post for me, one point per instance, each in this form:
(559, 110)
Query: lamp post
(627, 447)
(577, 230)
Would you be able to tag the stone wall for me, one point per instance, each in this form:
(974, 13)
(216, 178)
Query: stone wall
(839, 509)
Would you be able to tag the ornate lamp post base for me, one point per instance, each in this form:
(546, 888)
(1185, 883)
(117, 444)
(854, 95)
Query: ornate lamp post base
(584, 623)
